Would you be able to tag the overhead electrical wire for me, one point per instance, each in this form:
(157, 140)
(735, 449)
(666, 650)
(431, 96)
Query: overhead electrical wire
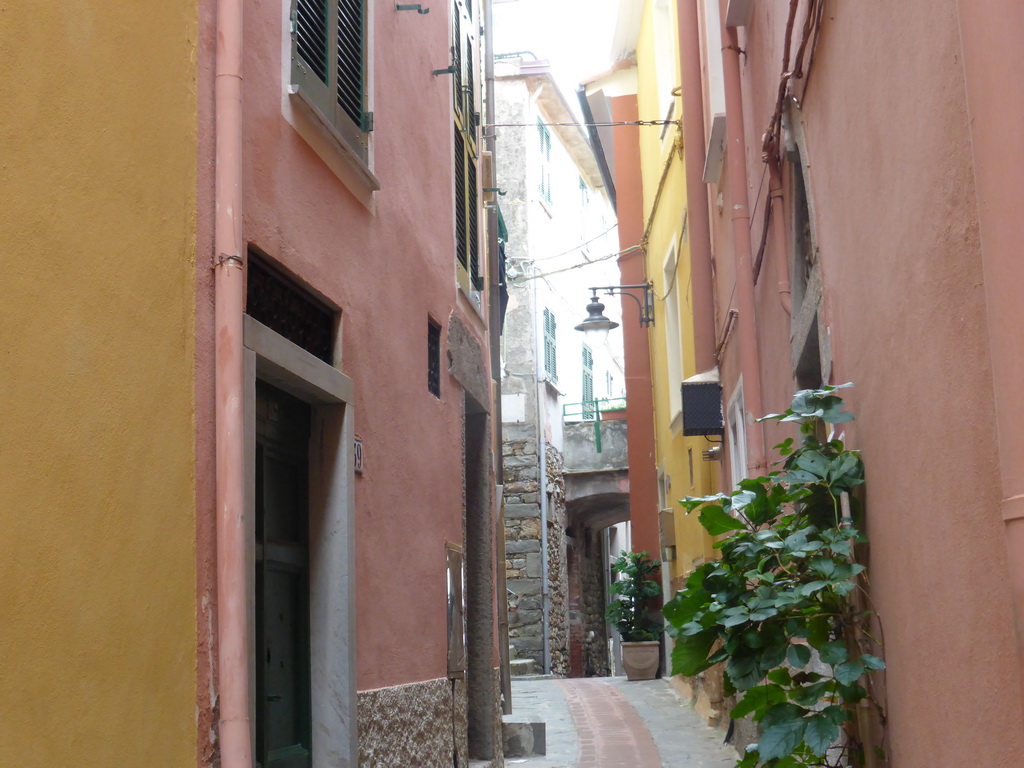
(609, 124)
(577, 247)
(539, 275)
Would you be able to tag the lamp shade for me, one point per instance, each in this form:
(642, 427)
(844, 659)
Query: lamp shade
(596, 326)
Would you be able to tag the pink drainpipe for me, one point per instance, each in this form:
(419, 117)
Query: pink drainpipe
(736, 167)
(778, 236)
(229, 277)
(990, 34)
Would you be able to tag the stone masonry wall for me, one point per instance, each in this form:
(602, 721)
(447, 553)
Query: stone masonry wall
(558, 573)
(523, 547)
(592, 606)
(523, 556)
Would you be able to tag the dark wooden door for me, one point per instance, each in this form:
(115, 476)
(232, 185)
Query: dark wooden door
(283, 719)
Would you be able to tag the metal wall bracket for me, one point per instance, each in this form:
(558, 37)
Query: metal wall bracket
(413, 7)
(449, 70)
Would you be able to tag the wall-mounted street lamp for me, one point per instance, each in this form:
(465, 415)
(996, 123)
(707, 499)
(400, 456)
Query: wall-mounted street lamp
(596, 326)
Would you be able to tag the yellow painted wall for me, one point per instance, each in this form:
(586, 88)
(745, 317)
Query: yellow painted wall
(679, 459)
(97, 485)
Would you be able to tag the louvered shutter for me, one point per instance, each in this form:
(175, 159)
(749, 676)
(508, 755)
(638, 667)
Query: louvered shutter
(329, 64)
(314, 30)
(461, 231)
(467, 198)
(351, 91)
(550, 350)
(475, 273)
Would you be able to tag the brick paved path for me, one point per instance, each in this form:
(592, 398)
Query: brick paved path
(611, 733)
(607, 722)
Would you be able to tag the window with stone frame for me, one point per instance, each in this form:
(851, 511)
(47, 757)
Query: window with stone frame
(329, 52)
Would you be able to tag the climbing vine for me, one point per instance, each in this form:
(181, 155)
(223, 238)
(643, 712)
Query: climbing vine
(783, 607)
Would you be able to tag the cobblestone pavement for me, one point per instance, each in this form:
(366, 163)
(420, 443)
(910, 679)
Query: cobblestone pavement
(612, 723)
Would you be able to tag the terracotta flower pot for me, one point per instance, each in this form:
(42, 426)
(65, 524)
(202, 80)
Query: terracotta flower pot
(640, 659)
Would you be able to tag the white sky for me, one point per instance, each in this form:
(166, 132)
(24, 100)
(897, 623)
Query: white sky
(575, 35)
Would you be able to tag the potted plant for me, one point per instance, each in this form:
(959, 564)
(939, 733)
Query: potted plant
(634, 591)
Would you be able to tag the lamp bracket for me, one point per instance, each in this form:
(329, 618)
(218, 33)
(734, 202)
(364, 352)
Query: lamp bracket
(645, 301)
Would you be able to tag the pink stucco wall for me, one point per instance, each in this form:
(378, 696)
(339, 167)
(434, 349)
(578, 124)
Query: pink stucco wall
(895, 215)
(388, 271)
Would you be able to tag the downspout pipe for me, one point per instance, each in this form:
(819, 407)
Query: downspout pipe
(494, 328)
(739, 211)
(229, 276)
(698, 217)
(990, 35)
(778, 235)
(542, 478)
(493, 269)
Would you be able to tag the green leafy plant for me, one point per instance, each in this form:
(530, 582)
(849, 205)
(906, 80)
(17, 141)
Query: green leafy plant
(634, 592)
(783, 606)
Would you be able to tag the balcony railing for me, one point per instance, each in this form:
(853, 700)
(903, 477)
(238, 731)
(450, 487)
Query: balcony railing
(588, 410)
(596, 411)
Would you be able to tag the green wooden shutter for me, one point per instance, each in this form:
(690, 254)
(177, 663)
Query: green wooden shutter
(311, 36)
(329, 64)
(550, 350)
(314, 31)
(467, 198)
(461, 233)
(351, 62)
(457, 98)
(475, 273)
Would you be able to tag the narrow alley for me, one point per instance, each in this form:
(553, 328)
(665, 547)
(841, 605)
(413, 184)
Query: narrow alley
(609, 722)
(528, 383)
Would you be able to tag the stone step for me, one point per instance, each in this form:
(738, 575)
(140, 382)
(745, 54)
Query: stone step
(513, 654)
(521, 667)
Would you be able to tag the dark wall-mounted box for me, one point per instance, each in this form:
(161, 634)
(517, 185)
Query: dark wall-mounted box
(702, 408)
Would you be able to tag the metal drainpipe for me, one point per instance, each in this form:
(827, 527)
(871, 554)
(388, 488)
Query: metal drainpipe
(736, 164)
(494, 323)
(543, 490)
(229, 274)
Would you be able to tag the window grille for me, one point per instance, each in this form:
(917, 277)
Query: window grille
(434, 358)
(289, 309)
